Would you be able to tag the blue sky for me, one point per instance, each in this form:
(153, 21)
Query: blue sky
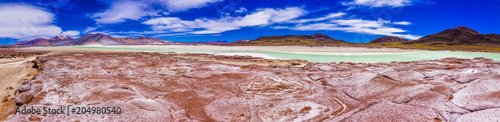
(212, 20)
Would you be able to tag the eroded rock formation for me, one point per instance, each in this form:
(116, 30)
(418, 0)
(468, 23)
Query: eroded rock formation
(167, 87)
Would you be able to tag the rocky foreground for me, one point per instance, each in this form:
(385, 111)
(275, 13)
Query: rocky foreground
(166, 87)
(7, 54)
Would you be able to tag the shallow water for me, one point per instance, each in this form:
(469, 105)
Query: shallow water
(371, 58)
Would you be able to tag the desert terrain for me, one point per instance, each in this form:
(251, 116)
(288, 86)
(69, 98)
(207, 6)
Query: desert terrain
(152, 86)
(250, 60)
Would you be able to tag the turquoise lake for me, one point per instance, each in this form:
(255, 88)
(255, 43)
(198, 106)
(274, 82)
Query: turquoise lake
(372, 58)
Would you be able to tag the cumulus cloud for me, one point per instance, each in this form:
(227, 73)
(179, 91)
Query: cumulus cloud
(21, 21)
(182, 5)
(281, 19)
(379, 3)
(121, 11)
(402, 23)
(261, 17)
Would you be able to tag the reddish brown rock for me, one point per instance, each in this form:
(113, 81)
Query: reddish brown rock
(24, 87)
(24, 98)
(178, 87)
(488, 115)
(387, 111)
(479, 95)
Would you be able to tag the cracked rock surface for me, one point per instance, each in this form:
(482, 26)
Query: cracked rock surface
(166, 87)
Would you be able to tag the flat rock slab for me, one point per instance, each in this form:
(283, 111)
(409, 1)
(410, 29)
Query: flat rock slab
(387, 111)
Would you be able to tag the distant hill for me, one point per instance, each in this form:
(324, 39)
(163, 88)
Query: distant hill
(93, 39)
(388, 39)
(458, 36)
(102, 39)
(220, 42)
(43, 42)
(455, 39)
(316, 39)
(207, 42)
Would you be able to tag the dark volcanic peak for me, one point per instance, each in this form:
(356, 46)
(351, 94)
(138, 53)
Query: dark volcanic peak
(319, 35)
(493, 36)
(465, 30)
(388, 39)
(458, 36)
(450, 34)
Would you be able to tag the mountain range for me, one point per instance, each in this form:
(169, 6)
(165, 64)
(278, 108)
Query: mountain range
(43, 42)
(388, 39)
(93, 40)
(312, 40)
(220, 42)
(459, 38)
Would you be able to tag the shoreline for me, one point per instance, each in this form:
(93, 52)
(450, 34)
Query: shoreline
(312, 54)
(280, 49)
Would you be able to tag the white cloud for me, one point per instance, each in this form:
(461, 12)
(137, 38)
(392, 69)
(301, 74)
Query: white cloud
(402, 23)
(123, 10)
(182, 5)
(280, 19)
(388, 31)
(361, 22)
(241, 10)
(379, 3)
(329, 16)
(90, 29)
(261, 17)
(71, 33)
(375, 27)
(120, 11)
(26, 22)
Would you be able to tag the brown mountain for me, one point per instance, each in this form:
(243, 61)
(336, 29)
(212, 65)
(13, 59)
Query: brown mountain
(43, 42)
(316, 39)
(93, 39)
(388, 39)
(220, 42)
(206, 42)
(458, 36)
(102, 39)
(37, 42)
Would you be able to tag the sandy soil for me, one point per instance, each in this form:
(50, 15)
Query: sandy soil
(12, 73)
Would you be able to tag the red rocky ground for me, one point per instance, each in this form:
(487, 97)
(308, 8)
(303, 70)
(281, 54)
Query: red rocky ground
(166, 87)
